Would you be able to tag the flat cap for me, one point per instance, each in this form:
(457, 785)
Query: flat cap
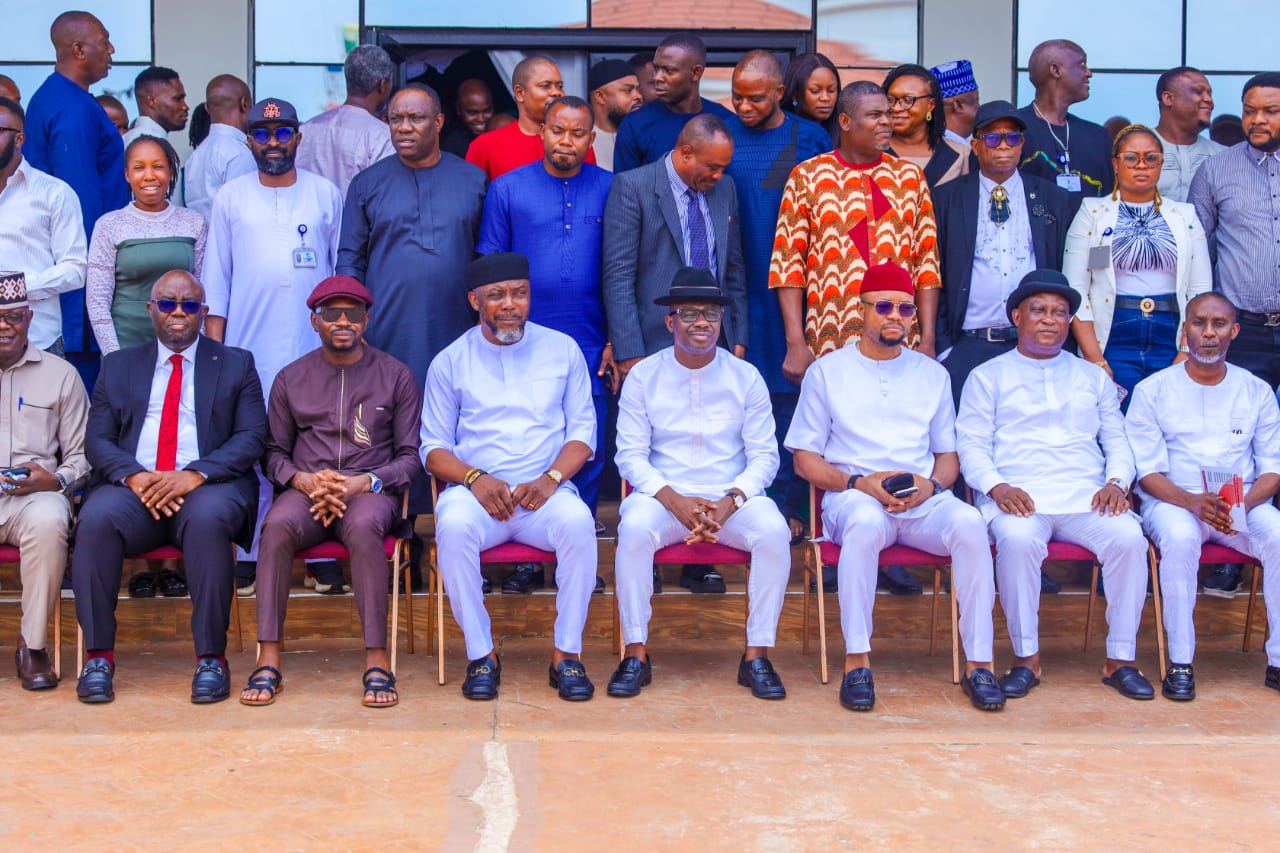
(339, 286)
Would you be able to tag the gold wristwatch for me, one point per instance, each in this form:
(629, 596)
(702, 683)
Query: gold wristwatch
(554, 475)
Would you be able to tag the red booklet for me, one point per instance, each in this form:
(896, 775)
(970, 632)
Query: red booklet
(1230, 487)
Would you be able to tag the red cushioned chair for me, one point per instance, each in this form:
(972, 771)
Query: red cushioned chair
(10, 554)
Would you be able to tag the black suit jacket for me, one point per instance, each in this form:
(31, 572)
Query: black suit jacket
(231, 420)
(955, 208)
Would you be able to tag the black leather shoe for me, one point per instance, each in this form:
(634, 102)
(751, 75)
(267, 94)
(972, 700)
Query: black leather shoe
(657, 581)
(142, 585)
(858, 690)
(1049, 586)
(760, 677)
(898, 581)
(1179, 683)
(629, 677)
(1272, 678)
(483, 677)
(486, 586)
(830, 580)
(569, 678)
(1130, 683)
(983, 690)
(211, 683)
(525, 579)
(1018, 682)
(35, 670)
(95, 681)
(172, 585)
(599, 590)
(701, 578)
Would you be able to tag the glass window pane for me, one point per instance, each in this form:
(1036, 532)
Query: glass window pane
(1228, 92)
(1132, 96)
(311, 89)
(868, 32)
(490, 13)
(1099, 26)
(326, 33)
(25, 33)
(694, 14)
(1231, 35)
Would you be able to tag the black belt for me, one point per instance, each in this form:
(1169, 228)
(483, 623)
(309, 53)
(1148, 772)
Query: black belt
(1269, 319)
(994, 334)
(1150, 304)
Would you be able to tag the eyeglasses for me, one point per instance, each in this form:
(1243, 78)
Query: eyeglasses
(1012, 138)
(168, 306)
(884, 307)
(905, 101)
(691, 315)
(14, 318)
(331, 313)
(1151, 158)
(262, 135)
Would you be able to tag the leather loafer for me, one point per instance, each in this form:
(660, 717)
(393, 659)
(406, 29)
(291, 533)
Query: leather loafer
(1179, 683)
(172, 585)
(1272, 678)
(483, 677)
(525, 579)
(1049, 586)
(858, 690)
(1018, 682)
(701, 578)
(1130, 683)
(898, 581)
(983, 690)
(95, 681)
(759, 675)
(629, 677)
(142, 585)
(657, 581)
(569, 678)
(34, 669)
(211, 683)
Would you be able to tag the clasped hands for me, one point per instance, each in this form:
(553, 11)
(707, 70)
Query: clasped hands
(701, 516)
(873, 485)
(1109, 500)
(162, 492)
(501, 501)
(329, 492)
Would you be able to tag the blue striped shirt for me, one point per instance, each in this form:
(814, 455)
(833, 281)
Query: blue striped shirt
(680, 190)
(1236, 194)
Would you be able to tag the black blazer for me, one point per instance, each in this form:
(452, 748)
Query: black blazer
(955, 208)
(231, 420)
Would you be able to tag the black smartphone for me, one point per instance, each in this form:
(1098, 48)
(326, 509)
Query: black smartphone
(15, 473)
(900, 485)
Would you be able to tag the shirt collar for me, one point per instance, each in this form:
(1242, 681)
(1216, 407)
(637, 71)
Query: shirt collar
(163, 353)
(32, 353)
(1259, 156)
(1012, 186)
(149, 125)
(678, 186)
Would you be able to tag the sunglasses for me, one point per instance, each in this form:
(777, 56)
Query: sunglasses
(691, 315)
(168, 306)
(885, 307)
(262, 135)
(1151, 158)
(331, 314)
(14, 318)
(1012, 138)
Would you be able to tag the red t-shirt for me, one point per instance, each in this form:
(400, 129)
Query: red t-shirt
(499, 151)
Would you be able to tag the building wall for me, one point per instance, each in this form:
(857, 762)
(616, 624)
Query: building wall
(980, 31)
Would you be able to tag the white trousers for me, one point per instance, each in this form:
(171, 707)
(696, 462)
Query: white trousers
(1179, 534)
(1021, 547)
(645, 525)
(563, 524)
(859, 524)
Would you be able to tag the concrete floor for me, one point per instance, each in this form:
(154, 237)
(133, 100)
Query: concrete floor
(694, 763)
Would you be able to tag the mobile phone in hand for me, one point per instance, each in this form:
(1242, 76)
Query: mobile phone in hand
(900, 485)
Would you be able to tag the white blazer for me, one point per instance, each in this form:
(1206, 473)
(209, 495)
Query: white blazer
(1092, 227)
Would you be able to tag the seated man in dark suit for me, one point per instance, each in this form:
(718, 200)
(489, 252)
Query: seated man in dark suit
(175, 428)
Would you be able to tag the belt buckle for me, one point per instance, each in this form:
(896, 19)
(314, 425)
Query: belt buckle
(1273, 319)
(1147, 305)
(988, 334)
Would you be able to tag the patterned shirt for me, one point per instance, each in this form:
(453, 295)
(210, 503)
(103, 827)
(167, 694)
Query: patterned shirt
(836, 220)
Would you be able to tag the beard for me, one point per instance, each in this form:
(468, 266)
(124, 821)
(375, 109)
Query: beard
(506, 336)
(274, 165)
(6, 153)
(1207, 360)
(616, 117)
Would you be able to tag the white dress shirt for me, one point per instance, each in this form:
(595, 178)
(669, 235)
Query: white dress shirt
(145, 126)
(701, 432)
(1177, 426)
(1036, 424)
(1181, 163)
(42, 235)
(508, 409)
(149, 437)
(864, 416)
(342, 142)
(222, 156)
(1002, 255)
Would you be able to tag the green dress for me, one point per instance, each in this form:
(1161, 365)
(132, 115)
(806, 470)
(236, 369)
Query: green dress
(139, 263)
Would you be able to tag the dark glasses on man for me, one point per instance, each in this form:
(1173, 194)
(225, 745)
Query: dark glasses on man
(168, 306)
(691, 315)
(331, 313)
(1013, 138)
(14, 318)
(262, 135)
(884, 307)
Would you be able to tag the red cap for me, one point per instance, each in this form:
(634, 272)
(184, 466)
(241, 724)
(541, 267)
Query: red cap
(887, 276)
(339, 285)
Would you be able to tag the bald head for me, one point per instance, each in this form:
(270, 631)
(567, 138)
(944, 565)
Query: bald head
(228, 100)
(9, 89)
(71, 27)
(529, 67)
(1046, 55)
(177, 329)
(702, 129)
(474, 88)
(167, 284)
(82, 46)
(760, 64)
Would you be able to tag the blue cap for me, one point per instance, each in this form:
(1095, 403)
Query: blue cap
(955, 78)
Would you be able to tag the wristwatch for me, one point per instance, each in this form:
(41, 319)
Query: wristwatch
(62, 482)
(554, 475)
(375, 484)
(937, 487)
(738, 498)
(1115, 481)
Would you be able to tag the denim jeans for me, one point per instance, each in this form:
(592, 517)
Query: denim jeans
(1139, 346)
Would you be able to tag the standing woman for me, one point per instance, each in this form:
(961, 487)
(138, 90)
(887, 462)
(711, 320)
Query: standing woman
(810, 89)
(920, 125)
(134, 246)
(1137, 260)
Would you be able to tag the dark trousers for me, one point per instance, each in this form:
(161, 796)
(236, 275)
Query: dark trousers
(289, 527)
(588, 477)
(114, 524)
(1257, 350)
(789, 492)
(967, 353)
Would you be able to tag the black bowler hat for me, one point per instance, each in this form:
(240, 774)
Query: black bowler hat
(500, 266)
(692, 285)
(994, 111)
(1043, 281)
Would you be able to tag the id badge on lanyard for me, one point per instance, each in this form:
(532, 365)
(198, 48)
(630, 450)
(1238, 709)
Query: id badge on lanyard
(304, 257)
(1065, 179)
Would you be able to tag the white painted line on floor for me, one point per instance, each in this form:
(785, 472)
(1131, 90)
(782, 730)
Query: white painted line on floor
(496, 797)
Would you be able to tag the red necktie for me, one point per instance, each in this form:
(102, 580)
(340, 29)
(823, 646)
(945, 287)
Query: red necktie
(167, 453)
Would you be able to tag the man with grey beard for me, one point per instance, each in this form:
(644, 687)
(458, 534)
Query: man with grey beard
(1189, 418)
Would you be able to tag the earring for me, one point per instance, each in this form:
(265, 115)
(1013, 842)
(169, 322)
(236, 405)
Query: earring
(928, 116)
(1158, 199)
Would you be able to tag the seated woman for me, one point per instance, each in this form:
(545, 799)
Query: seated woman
(810, 89)
(1136, 259)
(920, 125)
